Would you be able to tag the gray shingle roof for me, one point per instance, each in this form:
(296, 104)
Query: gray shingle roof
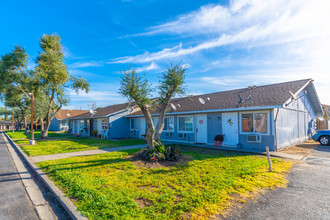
(267, 95)
(101, 112)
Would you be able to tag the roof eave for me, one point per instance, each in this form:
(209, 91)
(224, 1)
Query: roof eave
(102, 116)
(216, 110)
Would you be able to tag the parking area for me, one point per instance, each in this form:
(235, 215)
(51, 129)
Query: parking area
(306, 197)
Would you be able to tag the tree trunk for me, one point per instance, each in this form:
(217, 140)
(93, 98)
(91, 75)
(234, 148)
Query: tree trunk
(161, 120)
(25, 125)
(159, 128)
(151, 128)
(44, 131)
(42, 124)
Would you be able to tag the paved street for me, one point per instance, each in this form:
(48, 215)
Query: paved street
(14, 202)
(307, 196)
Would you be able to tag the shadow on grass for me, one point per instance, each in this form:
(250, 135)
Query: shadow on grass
(196, 155)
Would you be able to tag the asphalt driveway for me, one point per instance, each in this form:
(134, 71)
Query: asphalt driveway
(307, 195)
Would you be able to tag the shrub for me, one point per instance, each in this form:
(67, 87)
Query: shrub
(159, 147)
(160, 153)
(172, 153)
(94, 133)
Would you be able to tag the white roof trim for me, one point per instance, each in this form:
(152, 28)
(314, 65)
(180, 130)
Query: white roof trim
(215, 110)
(303, 87)
(103, 116)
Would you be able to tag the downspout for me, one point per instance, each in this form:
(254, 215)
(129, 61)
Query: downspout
(275, 128)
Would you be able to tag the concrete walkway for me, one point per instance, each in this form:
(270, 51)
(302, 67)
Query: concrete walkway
(84, 153)
(306, 197)
(14, 201)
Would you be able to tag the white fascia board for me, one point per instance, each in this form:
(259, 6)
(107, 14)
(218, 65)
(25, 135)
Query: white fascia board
(92, 117)
(103, 116)
(304, 86)
(216, 110)
(318, 100)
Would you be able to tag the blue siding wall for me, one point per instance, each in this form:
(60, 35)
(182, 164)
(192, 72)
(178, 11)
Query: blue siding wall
(295, 122)
(119, 126)
(266, 139)
(54, 125)
(214, 127)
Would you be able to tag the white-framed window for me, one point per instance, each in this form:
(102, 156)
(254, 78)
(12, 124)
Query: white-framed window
(82, 124)
(105, 124)
(255, 122)
(169, 124)
(64, 123)
(185, 124)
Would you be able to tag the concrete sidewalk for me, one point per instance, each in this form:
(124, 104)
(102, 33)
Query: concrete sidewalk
(14, 202)
(84, 153)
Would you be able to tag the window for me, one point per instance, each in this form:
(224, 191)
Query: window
(260, 122)
(169, 124)
(247, 122)
(255, 122)
(105, 124)
(64, 123)
(185, 124)
(82, 125)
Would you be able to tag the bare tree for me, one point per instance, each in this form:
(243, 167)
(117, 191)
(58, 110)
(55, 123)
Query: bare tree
(137, 89)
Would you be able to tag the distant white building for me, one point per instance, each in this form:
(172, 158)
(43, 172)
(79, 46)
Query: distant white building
(5, 125)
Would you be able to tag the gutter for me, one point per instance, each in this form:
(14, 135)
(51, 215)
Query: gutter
(275, 133)
(216, 110)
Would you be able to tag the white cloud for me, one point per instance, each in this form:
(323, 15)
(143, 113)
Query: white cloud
(86, 64)
(245, 24)
(102, 94)
(278, 41)
(152, 66)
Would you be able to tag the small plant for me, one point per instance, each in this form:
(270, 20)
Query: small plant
(159, 147)
(172, 153)
(94, 133)
(160, 153)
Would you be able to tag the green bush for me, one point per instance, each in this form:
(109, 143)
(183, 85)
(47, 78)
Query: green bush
(94, 133)
(160, 153)
(159, 147)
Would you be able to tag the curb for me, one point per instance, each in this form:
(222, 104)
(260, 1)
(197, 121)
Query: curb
(66, 203)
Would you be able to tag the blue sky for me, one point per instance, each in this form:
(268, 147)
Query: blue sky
(224, 44)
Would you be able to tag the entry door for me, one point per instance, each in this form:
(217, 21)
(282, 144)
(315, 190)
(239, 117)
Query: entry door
(143, 126)
(230, 129)
(201, 129)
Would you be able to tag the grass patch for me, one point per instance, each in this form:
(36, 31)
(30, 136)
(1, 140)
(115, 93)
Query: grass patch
(21, 135)
(108, 186)
(71, 144)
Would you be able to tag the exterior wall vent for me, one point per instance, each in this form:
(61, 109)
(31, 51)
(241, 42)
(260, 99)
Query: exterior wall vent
(169, 134)
(254, 138)
(183, 135)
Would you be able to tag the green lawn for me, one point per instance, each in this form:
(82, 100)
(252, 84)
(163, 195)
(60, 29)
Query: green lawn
(21, 135)
(108, 186)
(70, 144)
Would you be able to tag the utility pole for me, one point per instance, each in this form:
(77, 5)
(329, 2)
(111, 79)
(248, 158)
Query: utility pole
(32, 131)
(13, 122)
